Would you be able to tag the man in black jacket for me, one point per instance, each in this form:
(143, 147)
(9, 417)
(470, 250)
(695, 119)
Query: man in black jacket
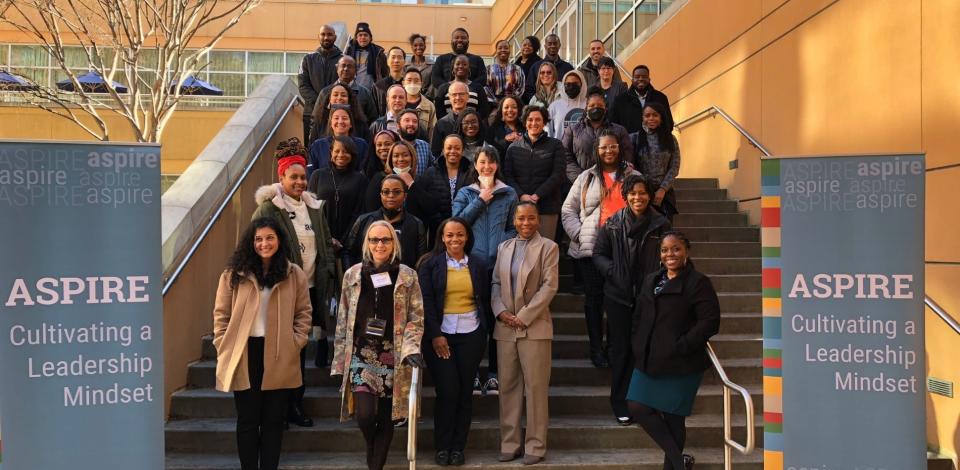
(410, 229)
(627, 109)
(459, 94)
(371, 59)
(443, 67)
(317, 71)
(591, 68)
(346, 76)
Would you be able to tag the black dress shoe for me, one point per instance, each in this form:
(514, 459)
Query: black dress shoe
(688, 462)
(599, 360)
(457, 458)
(442, 458)
(298, 417)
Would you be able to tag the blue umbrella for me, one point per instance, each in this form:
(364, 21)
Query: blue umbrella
(11, 82)
(91, 82)
(194, 86)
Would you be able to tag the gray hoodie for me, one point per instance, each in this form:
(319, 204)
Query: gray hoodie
(565, 111)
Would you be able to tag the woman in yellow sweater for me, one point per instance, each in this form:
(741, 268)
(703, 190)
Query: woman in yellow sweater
(457, 316)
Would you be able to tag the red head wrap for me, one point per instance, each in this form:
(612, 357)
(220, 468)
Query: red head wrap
(288, 161)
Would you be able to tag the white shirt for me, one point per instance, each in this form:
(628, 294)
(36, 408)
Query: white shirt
(259, 328)
(464, 322)
(305, 236)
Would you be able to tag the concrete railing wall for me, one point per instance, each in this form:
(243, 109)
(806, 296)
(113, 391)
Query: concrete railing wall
(271, 114)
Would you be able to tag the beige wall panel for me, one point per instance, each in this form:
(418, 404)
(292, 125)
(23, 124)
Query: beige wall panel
(943, 216)
(770, 5)
(941, 93)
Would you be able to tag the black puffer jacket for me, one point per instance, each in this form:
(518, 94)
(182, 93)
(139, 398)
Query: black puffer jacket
(671, 329)
(318, 70)
(537, 168)
(430, 198)
(626, 249)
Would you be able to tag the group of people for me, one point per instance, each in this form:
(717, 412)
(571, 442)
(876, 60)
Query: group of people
(442, 185)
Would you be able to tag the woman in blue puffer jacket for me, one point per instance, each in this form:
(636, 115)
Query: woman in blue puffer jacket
(488, 205)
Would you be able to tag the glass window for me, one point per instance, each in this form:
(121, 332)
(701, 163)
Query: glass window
(589, 21)
(75, 57)
(644, 17)
(4, 54)
(624, 35)
(293, 61)
(267, 62)
(232, 84)
(38, 76)
(227, 61)
(30, 56)
(253, 80)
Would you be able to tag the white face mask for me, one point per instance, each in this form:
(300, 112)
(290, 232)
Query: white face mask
(486, 181)
(400, 171)
(412, 89)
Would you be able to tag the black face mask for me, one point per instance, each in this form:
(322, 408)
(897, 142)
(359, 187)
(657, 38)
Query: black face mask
(391, 213)
(571, 89)
(596, 114)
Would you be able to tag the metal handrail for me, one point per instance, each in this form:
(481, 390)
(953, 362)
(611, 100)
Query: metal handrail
(946, 317)
(226, 200)
(413, 411)
(729, 444)
(714, 110)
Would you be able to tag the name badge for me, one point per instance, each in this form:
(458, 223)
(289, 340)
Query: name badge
(381, 280)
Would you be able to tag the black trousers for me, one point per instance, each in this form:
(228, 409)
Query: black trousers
(453, 379)
(260, 416)
(296, 396)
(592, 301)
(374, 419)
(620, 323)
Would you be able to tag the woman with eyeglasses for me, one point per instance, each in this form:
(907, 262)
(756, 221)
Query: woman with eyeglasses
(546, 89)
(456, 304)
(473, 131)
(342, 186)
(342, 122)
(377, 340)
(411, 230)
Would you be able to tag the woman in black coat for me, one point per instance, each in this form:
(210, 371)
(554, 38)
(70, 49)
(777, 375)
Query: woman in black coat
(626, 249)
(342, 186)
(534, 167)
(457, 316)
(677, 313)
(431, 199)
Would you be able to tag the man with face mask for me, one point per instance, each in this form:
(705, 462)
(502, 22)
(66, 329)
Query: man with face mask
(410, 229)
(627, 109)
(410, 130)
(371, 59)
(318, 70)
(580, 139)
(443, 68)
(416, 100)
(551, 45)
(568, 108)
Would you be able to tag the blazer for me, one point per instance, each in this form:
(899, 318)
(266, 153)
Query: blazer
(671, 329)
(537, 284)
(288, 325)
(433, 284)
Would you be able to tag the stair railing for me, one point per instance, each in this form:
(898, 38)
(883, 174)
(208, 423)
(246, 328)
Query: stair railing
(946, 317)
(729, 444)
(413, 411)
(714, 110)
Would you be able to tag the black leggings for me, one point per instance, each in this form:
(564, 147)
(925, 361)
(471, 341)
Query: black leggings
(374, 418)
(669, 431)
(260, 416)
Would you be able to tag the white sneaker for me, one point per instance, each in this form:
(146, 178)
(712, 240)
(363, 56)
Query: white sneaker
(491, 387)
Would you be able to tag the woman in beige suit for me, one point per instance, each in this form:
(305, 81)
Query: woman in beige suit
(525, 280)
(260, 323)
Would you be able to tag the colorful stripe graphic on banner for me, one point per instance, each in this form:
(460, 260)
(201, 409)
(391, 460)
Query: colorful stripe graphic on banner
(771, 285)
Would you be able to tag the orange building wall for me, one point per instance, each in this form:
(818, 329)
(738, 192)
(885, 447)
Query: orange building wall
(828, 77)
(188, 132)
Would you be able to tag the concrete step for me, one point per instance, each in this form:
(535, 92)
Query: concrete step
(698, 235)
(715, 267)
(705, 219)
(205, 403)
(621, 459)
(574, 323)
(577, 346)
(696, 183)
(329, 435)
(725, 249)
(729, 302)
(701, 194)
(718, 206)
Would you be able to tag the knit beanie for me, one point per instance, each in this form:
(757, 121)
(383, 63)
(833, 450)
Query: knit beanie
(363, 28)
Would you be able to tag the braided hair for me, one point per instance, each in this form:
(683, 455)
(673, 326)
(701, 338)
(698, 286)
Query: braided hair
(291, 146)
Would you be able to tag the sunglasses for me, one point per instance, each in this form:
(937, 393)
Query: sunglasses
(380, 241)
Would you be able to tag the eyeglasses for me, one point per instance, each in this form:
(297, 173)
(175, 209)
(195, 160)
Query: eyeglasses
(391, 192)
(380, 241)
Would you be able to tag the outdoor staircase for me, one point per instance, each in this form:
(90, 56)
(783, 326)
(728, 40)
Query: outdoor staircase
(583, 433)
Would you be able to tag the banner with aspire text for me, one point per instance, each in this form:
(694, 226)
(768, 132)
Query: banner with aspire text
(80, 306)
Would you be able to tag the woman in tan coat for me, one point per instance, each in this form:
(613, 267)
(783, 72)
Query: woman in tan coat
(260, 323)
(378, 339)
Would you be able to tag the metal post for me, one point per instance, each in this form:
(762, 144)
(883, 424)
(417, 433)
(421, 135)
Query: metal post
(413, 405)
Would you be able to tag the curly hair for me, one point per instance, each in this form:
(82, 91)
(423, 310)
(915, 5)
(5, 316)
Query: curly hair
(632, 180)
(291, 146)
(245, 259)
